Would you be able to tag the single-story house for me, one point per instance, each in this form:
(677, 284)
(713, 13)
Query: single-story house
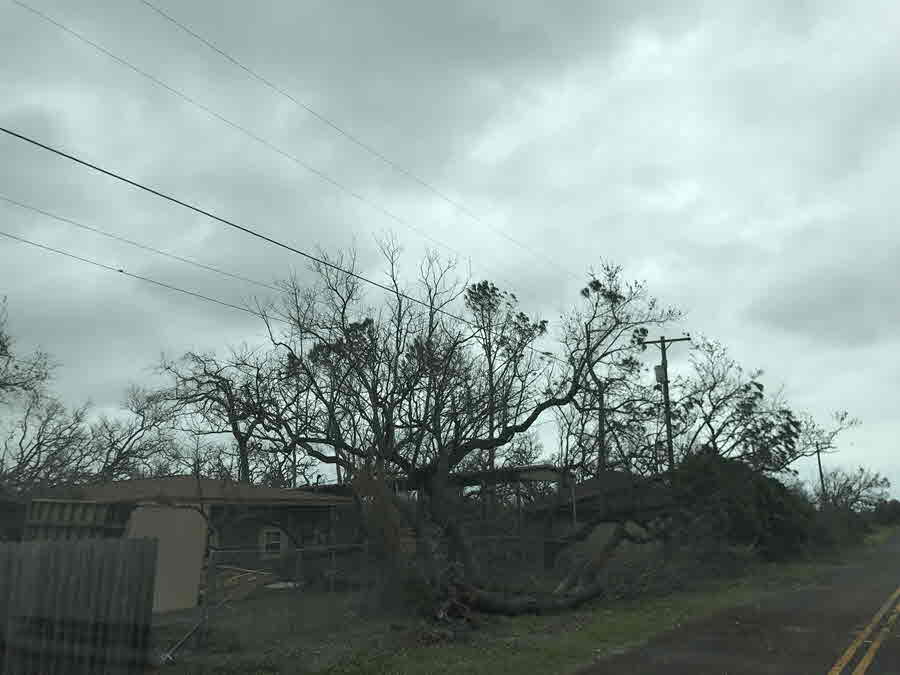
(239, 516)
(244, 525)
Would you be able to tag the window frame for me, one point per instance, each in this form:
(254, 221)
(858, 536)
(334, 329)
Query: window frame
(264, 542)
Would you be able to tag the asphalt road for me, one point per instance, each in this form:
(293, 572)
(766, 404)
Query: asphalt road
(849, 625)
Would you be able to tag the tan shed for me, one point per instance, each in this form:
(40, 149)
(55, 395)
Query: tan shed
(181, 536)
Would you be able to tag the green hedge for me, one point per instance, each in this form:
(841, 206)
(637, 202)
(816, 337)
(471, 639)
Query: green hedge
(726, 500)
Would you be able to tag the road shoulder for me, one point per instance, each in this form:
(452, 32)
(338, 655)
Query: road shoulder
(797, 631)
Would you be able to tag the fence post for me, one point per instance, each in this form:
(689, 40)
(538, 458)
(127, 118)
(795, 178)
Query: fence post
(212, 591)
(333, 573)
(298, 568)
(367, 576)
(203, 632)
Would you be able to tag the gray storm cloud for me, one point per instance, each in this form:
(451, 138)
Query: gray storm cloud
(739, 156)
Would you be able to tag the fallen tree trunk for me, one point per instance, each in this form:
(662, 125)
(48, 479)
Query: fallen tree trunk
(588, 569)
(462, 583)
(583, 579)
(499, 603)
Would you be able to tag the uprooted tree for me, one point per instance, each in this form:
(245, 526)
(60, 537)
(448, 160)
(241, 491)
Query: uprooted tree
(416, 386)
(420, 381)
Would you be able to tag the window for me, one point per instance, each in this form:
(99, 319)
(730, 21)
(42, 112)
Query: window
(271, 541)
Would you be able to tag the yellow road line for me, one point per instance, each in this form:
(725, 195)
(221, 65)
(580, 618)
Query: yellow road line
(847, 656)
(866, 660)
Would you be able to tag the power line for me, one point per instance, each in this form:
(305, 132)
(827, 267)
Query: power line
(167, 286)
(350, 136)
(224, 221)
(164, 285)
(136, 244)
(139, 277)
(250, 134)
(251, 232)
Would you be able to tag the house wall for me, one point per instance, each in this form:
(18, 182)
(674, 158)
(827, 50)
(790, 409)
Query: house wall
(181, 537)
(239, 527)
(347, 524)
(239, 536)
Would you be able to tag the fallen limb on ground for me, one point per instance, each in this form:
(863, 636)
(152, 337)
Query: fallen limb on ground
(587, 570)
(492, 602)
(453, 608)
(583, 579)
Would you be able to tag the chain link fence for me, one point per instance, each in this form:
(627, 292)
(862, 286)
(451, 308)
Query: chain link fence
(517, 562)
(234, 572)
(347, 573)
(313, 595)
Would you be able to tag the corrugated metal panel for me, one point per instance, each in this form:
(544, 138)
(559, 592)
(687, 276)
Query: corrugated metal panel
(72, 520)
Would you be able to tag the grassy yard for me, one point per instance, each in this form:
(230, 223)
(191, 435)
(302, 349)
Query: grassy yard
(284, 632)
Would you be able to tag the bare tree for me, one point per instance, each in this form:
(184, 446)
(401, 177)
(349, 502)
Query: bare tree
(43, 442)
(223, 396)
(133, 444)
(817, 440)
(856, 491)
(723, 409)
(498, 331)
(608, 426)
(19, 375)
(201, 458)
(46, 445)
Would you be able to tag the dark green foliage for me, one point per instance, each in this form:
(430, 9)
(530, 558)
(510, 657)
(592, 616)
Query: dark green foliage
(727, 501)
(834, 529)
(887, 512)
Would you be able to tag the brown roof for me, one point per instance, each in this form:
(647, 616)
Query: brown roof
(611, 488)
(190, 489)
(509, 474)
(609, 482)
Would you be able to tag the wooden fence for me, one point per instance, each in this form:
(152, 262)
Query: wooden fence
(76, 606)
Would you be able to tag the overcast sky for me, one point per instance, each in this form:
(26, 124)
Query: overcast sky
(742, 158)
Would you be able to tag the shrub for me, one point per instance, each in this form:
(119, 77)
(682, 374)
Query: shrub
(833, 529)
(887, 512)
(725, 500)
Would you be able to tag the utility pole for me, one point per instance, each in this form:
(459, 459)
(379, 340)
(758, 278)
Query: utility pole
(601, 430)
(296, 427)
(601, 424)
(663, 379)
(821, 475)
